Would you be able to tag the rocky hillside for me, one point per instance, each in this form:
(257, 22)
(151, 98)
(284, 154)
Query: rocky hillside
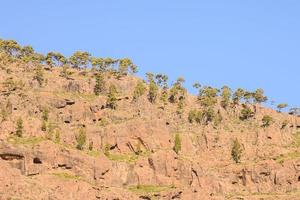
(67, 132)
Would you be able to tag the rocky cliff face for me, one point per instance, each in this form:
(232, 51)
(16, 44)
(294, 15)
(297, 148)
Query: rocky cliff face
(128, 153)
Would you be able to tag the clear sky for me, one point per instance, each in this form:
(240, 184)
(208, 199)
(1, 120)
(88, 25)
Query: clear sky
(249, 43)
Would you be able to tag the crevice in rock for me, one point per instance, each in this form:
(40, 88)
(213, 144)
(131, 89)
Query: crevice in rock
(37, 161)
(9, 156)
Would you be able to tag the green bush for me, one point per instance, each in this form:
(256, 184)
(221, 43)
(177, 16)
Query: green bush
(139, 90)
(267, 120)
(225, 96)
(81, 139)
(112, 98)
(246, 113)
(236, 151)
(153, 88)
(45, 114)
(100, 84)
(177, 145)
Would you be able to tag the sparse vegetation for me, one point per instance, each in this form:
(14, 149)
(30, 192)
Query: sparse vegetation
(148, 189)
(19, 129)
(139, 132)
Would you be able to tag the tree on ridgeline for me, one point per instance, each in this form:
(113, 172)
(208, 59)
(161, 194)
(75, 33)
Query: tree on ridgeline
(125, 66)
(281, 106)
(10, 47)
(153, 88)
(162, 81)
(225, 96)
(55, 59)
(80, 59)
(177, 91)
(238, 95)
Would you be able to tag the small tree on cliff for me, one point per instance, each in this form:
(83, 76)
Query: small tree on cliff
(236, 151)
(100, 84)
(39, 75)
(153, 89)
(112, 98)
(139, 90)
(177, 143)
(81, 139)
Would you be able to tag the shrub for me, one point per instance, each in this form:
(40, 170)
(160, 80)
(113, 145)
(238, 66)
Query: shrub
(45, 114)
(107, 149)
(236, 151)
(192, 115)
(112, 98)
(81, 139)
(19, 130)
(139, 90)
(177, 145)
(64, 72)
(246, 113)
(267, 120)
(57, 136)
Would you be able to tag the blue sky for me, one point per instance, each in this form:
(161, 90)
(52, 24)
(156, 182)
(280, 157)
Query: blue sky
(250, 43)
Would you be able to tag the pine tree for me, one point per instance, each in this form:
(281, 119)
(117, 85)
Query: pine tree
(236, 151)
(177, 145)
(39, 75)
(226, 96)
(153, 89)
(100, 84)
(81, 139)
(112, 98)
(139, 90)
